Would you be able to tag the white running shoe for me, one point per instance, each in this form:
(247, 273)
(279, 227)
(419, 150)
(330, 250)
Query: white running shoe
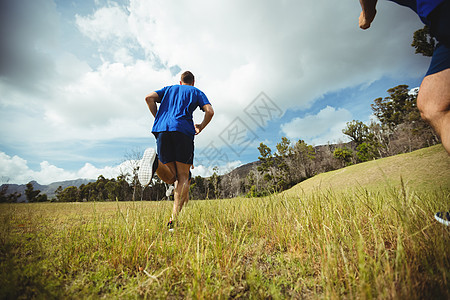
(443, 218)
(170, 190)
(147, 167)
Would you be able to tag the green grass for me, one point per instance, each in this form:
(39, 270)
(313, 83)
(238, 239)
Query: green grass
(359, 243)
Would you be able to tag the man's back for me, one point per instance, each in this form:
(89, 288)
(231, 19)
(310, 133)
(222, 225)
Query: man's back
(178, 102)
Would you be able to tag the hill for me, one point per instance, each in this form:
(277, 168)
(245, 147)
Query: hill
(242, 171)
(45, 189)
(424, 169)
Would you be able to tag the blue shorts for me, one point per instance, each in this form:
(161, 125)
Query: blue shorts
(440, 60)
(440, 29)
(174, 146)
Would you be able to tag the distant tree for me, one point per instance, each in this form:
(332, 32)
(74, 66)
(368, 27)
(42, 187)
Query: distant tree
(344, 154)
(30, 192)
(254, 186)
(157, 190)
(133, 159)
(58, 193)
(197, 190)
(8, 198)
(357, 131)
(100, 189)
(282, 156)
(283, 147)
(84, 192)
(3, 191)
(42, 198)
(366, 151)
(252, 192)
(423, 42)
(266, 159)
(112, 190)
(69, 194)
(124, 189)
(398, 107)
(14, 197)
(231, 185)
(88, 192)
(214, 182)
(364, 139)
(250, 181)
(303, 159)
(381, 138)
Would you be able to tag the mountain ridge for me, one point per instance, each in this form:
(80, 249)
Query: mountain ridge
(48, 189)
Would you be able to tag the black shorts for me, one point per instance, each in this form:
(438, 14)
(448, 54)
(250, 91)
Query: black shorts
(174, 146)
(440, 29)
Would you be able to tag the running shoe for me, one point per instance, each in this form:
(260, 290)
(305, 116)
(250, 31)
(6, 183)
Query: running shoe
(443, 217)
(148, 166)
(170, 190)
(170, 225)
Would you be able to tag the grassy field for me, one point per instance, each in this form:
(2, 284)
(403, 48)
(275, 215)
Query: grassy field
(343, 241)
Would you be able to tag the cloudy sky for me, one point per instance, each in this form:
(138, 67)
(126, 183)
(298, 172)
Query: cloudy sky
(74, 74)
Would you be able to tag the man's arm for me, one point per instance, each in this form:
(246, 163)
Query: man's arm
(209, 113)
(151, 100)
(368, 13)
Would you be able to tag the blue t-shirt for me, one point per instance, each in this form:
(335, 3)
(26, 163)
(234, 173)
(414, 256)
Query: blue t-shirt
(422, 7)
(178, 102)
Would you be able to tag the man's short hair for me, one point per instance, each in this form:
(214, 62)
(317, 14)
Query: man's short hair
(187, 77)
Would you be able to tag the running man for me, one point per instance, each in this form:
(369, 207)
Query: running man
(174, 130)
(433, 100)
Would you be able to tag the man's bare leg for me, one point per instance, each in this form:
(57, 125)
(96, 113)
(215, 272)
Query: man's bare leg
(167, 172)
(181, 194)
(433, 102)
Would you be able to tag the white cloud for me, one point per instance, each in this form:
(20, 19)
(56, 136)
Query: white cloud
(318, 129)
(107, 23)
(12, 165)
(16, 170)
(92, 172)
(206, 171)
(123, 56)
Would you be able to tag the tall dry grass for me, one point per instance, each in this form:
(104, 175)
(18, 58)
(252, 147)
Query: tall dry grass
(359, 244)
